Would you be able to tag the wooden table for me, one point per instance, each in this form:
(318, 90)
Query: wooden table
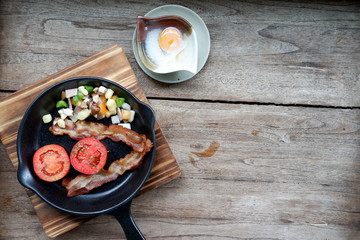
(278, 102)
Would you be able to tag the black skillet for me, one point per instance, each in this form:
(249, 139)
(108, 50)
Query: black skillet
(113, 198)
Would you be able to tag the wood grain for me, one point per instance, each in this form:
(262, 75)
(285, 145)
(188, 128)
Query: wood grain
(279, 173)
(279, 94)
(112, 64)
(284, 52)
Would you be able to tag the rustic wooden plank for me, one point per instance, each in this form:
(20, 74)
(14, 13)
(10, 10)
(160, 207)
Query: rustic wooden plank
(112, 64)
(5, 94)
(262, 51)
(279, 173)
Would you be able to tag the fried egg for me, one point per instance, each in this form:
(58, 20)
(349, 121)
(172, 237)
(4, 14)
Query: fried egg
(171, 50)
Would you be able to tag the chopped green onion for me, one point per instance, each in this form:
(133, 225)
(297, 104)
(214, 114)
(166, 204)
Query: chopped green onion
(89, 89)
(80, 95)
(119, 101)
(61, 104)
(76, 99)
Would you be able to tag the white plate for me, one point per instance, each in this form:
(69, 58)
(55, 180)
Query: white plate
(202, 35)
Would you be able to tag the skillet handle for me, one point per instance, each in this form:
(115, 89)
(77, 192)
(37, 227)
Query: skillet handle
(124, 217)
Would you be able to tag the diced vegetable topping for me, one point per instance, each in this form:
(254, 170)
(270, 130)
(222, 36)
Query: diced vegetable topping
(100, 102)
(47, 118)
(70, 92)
(80, 95)
(109, 92)
(68, 112)
(62, 114)
(132, 115)
(126, 106)
(102, 90)
(125, 115)
(61, 104)
(61, 123)
(119, 101)
(63, 95)
(115, 119)
(83, 114)
(89, 89)
(111, 105)
(83, 90)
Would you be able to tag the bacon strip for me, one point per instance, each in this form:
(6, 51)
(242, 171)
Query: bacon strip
(82, 129)
(85, 183)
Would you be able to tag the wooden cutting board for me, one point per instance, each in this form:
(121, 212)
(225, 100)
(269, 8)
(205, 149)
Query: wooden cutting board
(111, 64)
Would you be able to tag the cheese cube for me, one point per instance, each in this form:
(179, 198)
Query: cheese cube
(61, 123)
(68, 112)
(115, 119)
(109, 92)
(83, 114)
(47, 118)
(126, 106)
(83, 90)
(71, 92)
(111, 105)
(102, 90)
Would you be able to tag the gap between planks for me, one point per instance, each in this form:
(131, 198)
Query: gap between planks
(235, 102)
(251, 103)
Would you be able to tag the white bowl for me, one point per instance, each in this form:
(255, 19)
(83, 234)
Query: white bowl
(203, 40)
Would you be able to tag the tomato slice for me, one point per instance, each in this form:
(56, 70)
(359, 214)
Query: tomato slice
(88, 156)
(51, 162)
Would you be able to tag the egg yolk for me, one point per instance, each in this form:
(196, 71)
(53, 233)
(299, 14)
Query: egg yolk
(170, 39)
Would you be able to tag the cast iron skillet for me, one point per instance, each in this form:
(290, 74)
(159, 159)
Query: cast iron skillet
(113, 198)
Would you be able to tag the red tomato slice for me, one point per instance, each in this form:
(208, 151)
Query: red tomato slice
(51, 162)
(88, 156)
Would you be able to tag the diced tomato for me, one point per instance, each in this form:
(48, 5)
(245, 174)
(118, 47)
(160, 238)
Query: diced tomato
(88, 156)
(51, 162)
